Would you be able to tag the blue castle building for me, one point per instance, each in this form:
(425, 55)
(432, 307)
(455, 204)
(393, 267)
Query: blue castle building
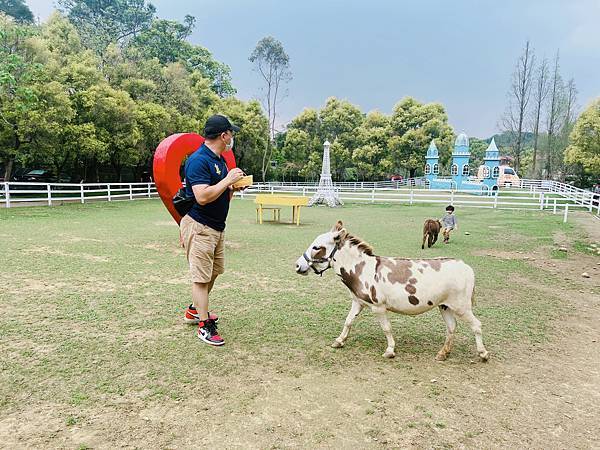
(460, 172)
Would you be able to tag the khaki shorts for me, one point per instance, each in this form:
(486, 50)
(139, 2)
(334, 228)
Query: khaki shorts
(204, 248)
(446, 230)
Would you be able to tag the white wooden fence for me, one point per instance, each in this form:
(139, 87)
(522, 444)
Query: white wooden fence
(523, 199)
(17, 193)
(533, 194)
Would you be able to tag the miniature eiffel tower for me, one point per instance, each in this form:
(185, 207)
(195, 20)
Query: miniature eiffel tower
(326, 192)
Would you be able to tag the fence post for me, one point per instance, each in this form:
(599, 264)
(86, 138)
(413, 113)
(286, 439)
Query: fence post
(373, 195)
(554, 207)
(496, 200)
(452, 197)
(130, 192)
(566, 213)
(109, 197)
(411, 196)
(149, 193)
(303, 191)
(81, 193)
(7, 193)
(591, 205)
(49, 190)
(541, 200)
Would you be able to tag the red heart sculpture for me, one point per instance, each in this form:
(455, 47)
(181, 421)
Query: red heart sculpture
(167, 164)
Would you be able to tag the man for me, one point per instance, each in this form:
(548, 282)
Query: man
(202, 229)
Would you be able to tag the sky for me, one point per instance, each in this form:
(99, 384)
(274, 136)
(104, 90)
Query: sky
(375, 52)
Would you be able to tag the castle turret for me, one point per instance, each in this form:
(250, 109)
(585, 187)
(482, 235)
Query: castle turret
(460, 160)
(432, 167)
(491, 164)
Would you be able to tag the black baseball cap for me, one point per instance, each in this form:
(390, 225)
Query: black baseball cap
(218, 124)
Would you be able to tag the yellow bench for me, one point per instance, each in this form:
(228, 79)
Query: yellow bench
(271, 201)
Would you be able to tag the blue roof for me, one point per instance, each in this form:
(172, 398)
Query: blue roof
(432, 151)
(492, 151)
(462, 140)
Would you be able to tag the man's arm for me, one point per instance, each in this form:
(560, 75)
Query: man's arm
(207, 194)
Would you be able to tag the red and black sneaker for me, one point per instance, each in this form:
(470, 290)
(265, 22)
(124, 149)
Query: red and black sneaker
(207, 332)
(192, 316)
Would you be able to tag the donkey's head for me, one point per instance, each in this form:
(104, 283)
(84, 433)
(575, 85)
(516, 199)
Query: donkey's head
(319, 255)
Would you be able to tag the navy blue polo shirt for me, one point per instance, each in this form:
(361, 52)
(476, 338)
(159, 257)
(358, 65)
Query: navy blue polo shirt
(204, 167)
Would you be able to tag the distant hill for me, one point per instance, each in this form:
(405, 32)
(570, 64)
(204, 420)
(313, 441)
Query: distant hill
(505, 139)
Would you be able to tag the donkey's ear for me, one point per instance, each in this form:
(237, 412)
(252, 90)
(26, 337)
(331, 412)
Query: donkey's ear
(338, 226)
(340, 234)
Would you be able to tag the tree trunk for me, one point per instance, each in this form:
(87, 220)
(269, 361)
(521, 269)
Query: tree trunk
(266, 160)
(8, 169)
(412, 173)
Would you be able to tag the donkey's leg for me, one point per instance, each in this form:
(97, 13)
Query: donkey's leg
(355, 310)
(475, 325)
(381, 314)
(425, 237)
(450, 320)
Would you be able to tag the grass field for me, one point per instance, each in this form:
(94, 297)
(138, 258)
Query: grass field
(94, 348)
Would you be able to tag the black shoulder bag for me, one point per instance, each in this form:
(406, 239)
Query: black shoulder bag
(182, 203)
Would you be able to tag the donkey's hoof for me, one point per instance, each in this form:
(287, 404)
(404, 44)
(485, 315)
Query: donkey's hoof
(441, 356)
(389, 354)
(484, 356)
(337, 344)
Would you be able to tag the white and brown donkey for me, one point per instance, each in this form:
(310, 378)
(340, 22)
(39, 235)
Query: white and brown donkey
(405, 286)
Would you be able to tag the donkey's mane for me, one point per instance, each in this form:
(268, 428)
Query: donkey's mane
(358, 242)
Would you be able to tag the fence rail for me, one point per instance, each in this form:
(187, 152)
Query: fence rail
(532, 194)
(14, 193)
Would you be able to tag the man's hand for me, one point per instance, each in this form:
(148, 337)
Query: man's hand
(234, 175)
(237, 189)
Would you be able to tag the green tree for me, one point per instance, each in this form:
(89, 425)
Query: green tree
(371, 161)
(584, 141)
(16, 9)
(253, 134)
(113, 113)
(296, 151)
(477, 149)
(166, 41)
(414, 125)
(339, 117)
(102, 22)
(19, 72)
(341, 159)
(312, 168)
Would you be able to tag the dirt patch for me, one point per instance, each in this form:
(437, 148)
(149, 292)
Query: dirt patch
(590, 224)
(233, 245)
(541, 398)
(569, 267)
(76, 239)
(166, 223)
(57, 252)
(26, 286)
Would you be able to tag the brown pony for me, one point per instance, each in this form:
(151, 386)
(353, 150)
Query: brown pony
(431, 229)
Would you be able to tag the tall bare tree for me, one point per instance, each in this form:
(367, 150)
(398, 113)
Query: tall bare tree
(273, 64)
(569, 117)
(554, 117)
(519, 95)
(570, 105)
(541, 87)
